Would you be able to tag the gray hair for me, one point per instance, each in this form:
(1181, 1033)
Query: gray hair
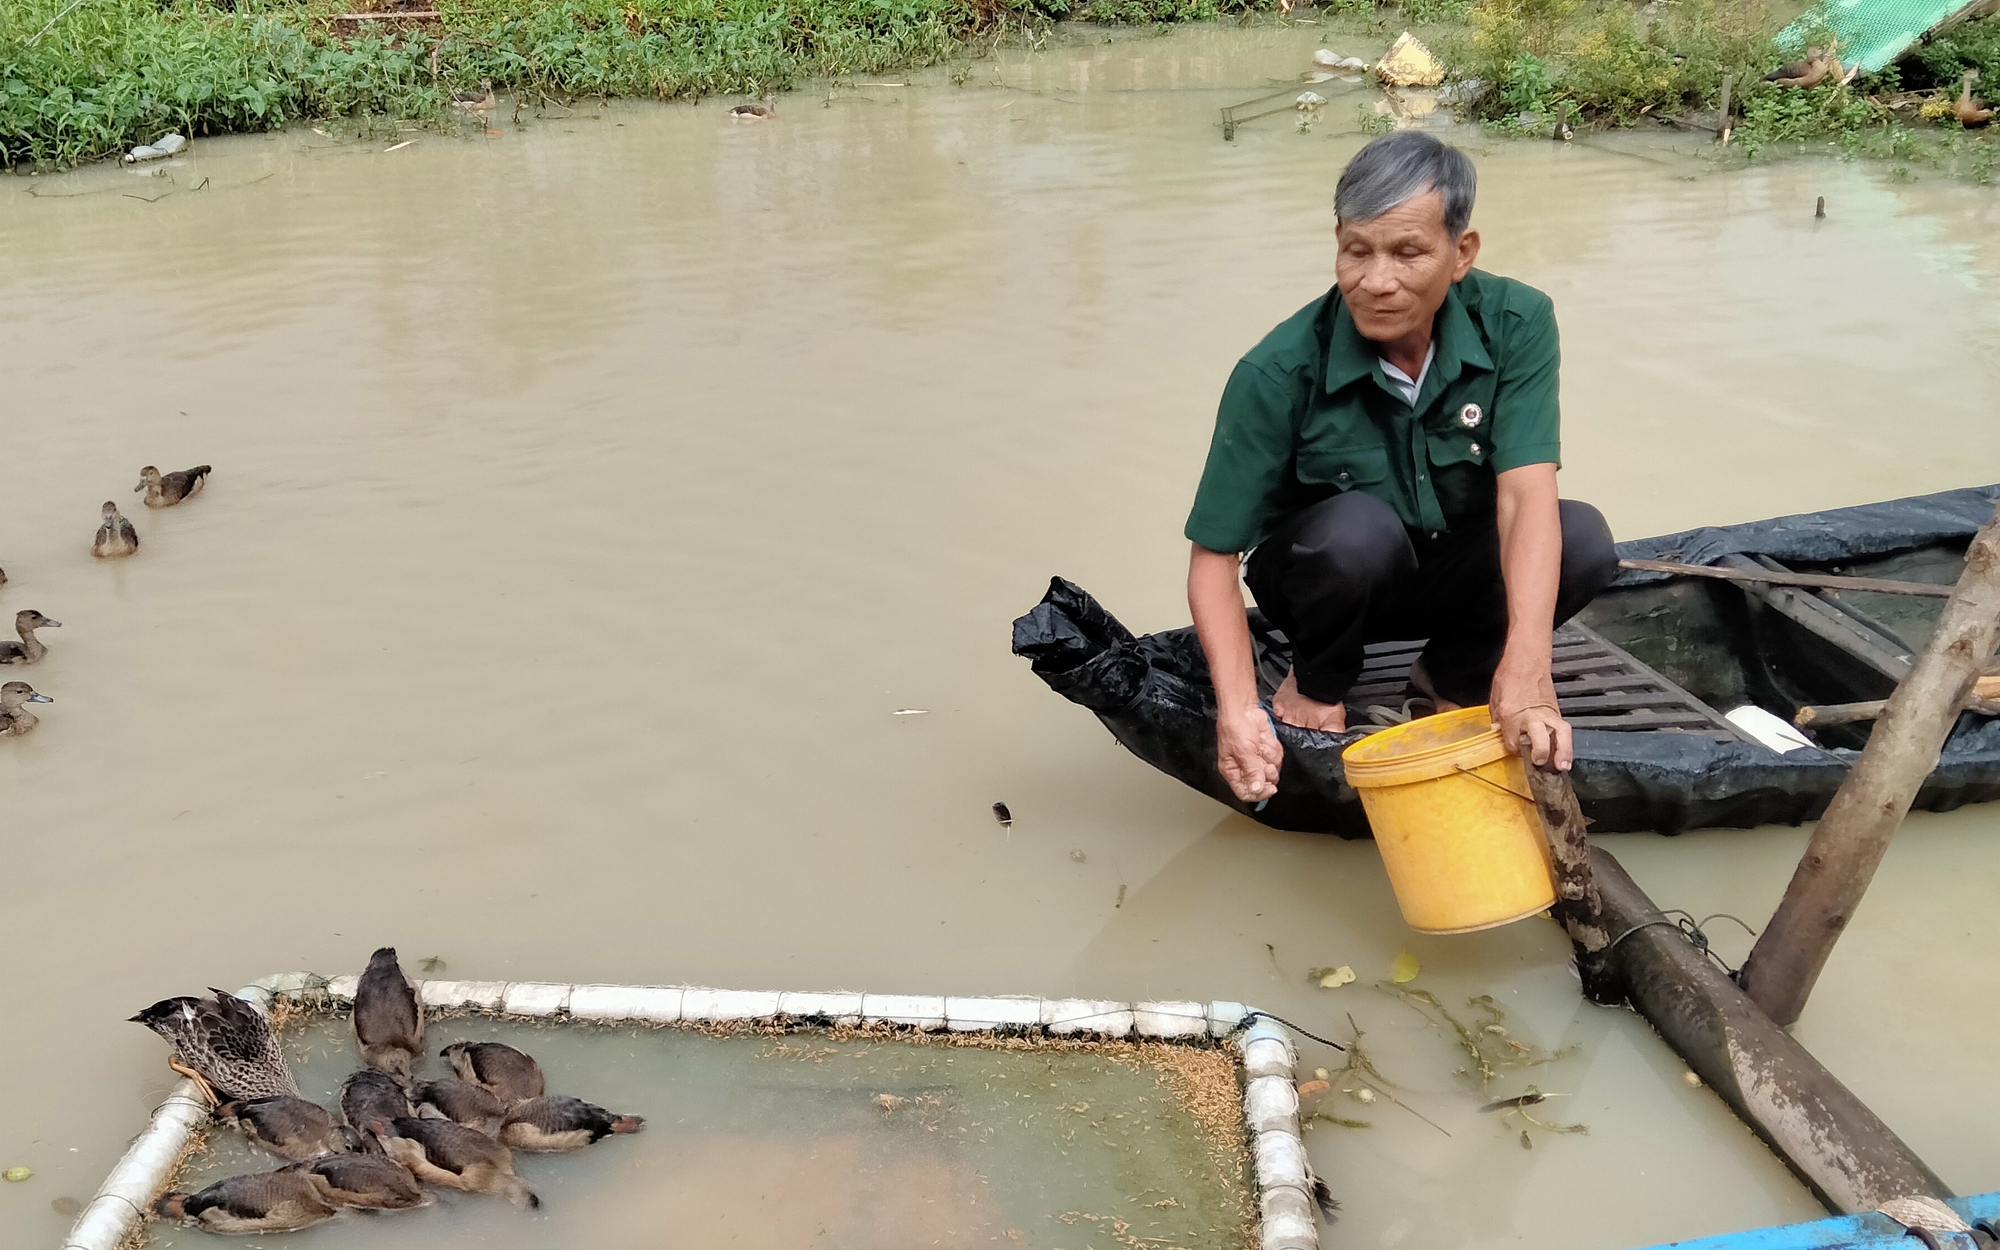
(1403, 164)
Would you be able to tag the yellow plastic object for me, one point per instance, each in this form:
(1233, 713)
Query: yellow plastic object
(1451, 813)
(1408, 63)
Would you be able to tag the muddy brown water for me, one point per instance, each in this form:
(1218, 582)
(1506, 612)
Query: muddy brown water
(589, 497)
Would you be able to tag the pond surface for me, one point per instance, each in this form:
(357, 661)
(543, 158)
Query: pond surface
(588, 498)
(811, 1140)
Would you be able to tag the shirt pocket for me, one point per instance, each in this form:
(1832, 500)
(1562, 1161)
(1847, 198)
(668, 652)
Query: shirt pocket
(1458, 446)
(1343, 468)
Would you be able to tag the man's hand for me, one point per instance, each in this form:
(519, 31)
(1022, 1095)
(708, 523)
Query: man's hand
(1524, 707)
(1247, 752)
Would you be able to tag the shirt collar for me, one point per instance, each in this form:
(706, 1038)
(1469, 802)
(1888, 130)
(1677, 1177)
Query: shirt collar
(1349, 357)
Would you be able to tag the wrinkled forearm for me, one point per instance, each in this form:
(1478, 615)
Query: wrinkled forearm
(1216, 600)
(1530, 559)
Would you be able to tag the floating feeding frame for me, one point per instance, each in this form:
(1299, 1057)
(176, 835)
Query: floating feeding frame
(1266, 1062)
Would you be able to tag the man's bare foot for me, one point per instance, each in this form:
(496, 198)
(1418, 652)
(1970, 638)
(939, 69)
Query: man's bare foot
(1422, 681)
(1294, 708)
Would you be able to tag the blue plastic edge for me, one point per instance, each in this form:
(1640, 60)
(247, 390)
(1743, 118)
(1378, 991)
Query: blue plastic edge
(1845, 1232)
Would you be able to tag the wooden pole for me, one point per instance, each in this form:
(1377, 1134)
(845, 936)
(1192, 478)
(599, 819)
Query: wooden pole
(1722, 126)
(1984, 693)
(1577, 908)
(1829, 581)
(1848, 843)
(1831, 1140)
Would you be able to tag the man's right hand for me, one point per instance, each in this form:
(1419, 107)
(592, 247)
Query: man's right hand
(1248, 753)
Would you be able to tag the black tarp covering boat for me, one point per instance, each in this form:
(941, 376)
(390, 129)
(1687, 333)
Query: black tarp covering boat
(1640, 674)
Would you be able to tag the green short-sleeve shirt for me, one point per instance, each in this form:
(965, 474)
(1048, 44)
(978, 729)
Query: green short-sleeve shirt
(1308, 414)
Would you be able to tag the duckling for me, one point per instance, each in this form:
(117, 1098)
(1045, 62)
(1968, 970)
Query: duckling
(762, 111)
(262, 1202)
(291, 1128)
(440, 1152)
(388, 1019)
(558, 1122)
(512, 1075)
(15, 719)
(224, 1044)
(362, 1180)
(1810, 72)
(1964, 108)
(462, 1102)
(166, 490)
(115, 537)
(30, 648)
(367, 1096)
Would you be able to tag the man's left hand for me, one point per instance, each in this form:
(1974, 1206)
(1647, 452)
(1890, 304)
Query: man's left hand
(1524, 707)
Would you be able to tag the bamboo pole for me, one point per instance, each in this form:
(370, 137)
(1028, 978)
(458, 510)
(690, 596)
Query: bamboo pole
(1829, 581)
(1830, 1139)
(1848, 843)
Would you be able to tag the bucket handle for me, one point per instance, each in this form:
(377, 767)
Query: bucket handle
(1463, 770)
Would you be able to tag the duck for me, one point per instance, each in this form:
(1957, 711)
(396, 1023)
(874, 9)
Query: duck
(166, 490)
(362, 1180)
(261, 1202)
(388, 1019)
(1810, 72)
(480, 101)
(559, 1122)
(762, 111)
(367, 1096)
(224, 1045)
(29, 649)
(462, 1102)
(291, 1128)
(1965, 109)
(512, 1075)
(439, 1152)
(115, 537)
(16, 719)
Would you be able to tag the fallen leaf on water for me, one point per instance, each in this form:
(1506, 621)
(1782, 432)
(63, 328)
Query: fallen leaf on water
(1405, 969)
(1527, 1142)
(16, 1174)
(1320, 1074)
(1330, 978)
(432, 963)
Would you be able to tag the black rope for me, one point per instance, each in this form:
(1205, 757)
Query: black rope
(1691, 929)
(1325, 1041)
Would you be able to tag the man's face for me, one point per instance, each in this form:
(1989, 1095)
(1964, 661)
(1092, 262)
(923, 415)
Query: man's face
(1395, 270)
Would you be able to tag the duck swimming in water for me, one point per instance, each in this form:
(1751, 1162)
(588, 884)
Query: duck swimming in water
(362, 1180)
(439, 1152)
(367, 1096)
(762, 111)
(263, 1202)
(291, 1128)
(164, 490)
(512, 1075)
(462, 1102)
(559, 1122)
(16, 719)
(388, 1019)
(115, 537)
(224, 1044)
(29, 649)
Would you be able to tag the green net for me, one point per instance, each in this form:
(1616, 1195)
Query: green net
(1873, 33)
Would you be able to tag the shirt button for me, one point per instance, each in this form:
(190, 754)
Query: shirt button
(1436, 534)
(1343, 475)
(1475, 449)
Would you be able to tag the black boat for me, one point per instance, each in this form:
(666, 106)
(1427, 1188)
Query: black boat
(1646, 675)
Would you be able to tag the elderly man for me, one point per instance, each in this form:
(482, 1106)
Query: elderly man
(1387, 457)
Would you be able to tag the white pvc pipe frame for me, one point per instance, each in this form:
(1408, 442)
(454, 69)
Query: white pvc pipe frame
(1270, 1096)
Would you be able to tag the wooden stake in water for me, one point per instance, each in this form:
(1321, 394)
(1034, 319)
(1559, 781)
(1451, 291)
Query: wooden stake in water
(1722, 125)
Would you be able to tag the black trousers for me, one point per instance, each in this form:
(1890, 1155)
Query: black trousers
(1344, 572)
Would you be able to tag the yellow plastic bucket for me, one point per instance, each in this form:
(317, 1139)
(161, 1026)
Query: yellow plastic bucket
(1458, 833)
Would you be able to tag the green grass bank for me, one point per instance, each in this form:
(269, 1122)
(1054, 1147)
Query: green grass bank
(86, 79)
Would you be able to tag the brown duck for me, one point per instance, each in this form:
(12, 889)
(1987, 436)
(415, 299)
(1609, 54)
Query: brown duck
(1819, 63)
(439, 1152)
(164, 490)
(291, 1128)
(388, 1019)
(263, 1202)
(362, 1180)
(224, 1044)
(15, 718)
(1965, 109)
(462, 1102)
(559, 1122)
(367, 1096)
(512, 1075)
(30, 649)
(115, 537)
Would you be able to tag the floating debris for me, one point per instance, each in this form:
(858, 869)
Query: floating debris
(889, 1102)
(1308, 1089)
(16, 1174)
(1404, 969)
(66, 1205)
(911, 711)
(1527, 1142)
(1308, 101)
(164, 146)
(1001, 814)
(1408, 63)
(1363, 1094)
(1691, 1079)
(1330, 978)
(1078, 856)
(1515, 1103)
(1330, 59)
(1121, 897)
(432, 963)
